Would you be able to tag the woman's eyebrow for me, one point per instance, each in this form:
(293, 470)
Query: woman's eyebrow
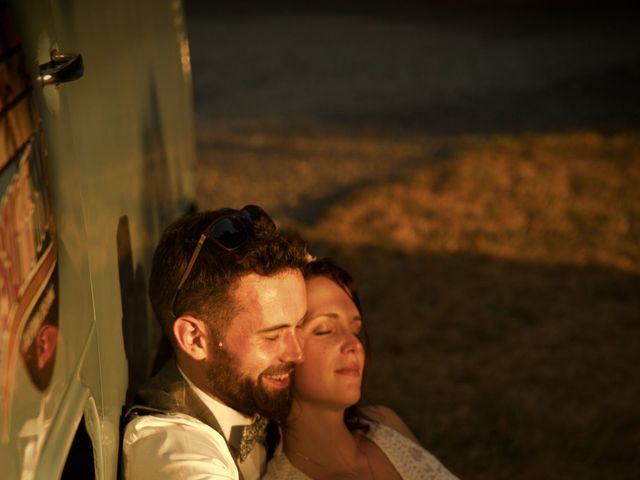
(323, 314)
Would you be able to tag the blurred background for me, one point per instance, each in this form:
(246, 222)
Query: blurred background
(477, 170)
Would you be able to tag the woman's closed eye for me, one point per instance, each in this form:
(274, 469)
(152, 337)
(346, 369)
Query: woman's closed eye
(319, 325)
(356, 327)
(322, 330)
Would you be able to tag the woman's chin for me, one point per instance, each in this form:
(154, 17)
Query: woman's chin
(339, 401)
(348, 398)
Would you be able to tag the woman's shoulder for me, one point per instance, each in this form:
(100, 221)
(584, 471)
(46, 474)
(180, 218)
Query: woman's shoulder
(395, 439)
(386, 416)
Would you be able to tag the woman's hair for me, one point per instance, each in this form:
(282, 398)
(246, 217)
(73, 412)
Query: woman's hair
(353, 415)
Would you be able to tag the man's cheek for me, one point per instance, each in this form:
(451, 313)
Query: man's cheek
(301, 337)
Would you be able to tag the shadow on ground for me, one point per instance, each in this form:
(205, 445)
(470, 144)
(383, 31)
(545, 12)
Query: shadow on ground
(607, 101)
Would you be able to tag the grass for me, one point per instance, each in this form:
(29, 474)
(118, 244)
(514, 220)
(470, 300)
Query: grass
(541, 198)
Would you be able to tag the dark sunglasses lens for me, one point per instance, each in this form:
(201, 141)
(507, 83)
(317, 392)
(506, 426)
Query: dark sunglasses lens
(255, 214)
(229, 233)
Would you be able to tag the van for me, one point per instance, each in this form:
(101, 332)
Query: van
(97, 155)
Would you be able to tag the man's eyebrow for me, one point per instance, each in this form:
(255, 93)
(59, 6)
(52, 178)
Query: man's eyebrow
(274, 328)
(280, 326)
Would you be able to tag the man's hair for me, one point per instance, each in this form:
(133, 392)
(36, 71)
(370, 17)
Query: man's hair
(206, 294)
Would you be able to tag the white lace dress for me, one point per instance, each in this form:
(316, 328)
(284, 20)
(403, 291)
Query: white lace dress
(410, 460)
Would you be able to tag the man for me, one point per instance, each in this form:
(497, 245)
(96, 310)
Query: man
(227, 288)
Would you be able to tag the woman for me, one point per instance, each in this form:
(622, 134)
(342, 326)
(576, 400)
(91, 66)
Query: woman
(326, 436)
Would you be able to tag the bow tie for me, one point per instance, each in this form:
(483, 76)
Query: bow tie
(252, 433)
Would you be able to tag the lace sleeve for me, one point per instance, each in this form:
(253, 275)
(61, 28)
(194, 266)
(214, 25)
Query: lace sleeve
(280, 468)
(410, 460)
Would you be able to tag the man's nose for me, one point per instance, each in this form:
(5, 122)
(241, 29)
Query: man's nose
(292, 347)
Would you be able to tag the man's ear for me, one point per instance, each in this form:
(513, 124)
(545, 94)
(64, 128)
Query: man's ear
(192, 336)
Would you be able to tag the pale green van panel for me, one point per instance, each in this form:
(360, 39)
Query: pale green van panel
(121, 162)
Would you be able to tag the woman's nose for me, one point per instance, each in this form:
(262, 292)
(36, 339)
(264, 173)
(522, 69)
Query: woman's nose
(351, 343)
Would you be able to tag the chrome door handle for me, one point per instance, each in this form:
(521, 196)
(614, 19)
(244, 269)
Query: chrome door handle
(63, 67)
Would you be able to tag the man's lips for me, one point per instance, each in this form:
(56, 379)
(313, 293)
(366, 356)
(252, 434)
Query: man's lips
(279, 379)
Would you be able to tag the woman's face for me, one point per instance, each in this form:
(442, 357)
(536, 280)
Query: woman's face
(331, 373)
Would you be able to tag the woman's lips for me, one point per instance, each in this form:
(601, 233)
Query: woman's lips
(353, 371)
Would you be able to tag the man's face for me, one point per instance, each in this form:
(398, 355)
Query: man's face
(251, 371)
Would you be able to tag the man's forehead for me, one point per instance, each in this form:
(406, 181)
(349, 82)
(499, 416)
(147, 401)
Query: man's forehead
(261, 287)
(258, 288)
(269, 299)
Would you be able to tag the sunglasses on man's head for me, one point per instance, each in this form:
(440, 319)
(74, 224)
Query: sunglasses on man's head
(228, 232)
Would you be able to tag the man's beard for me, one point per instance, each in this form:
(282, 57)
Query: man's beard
(243, 393)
